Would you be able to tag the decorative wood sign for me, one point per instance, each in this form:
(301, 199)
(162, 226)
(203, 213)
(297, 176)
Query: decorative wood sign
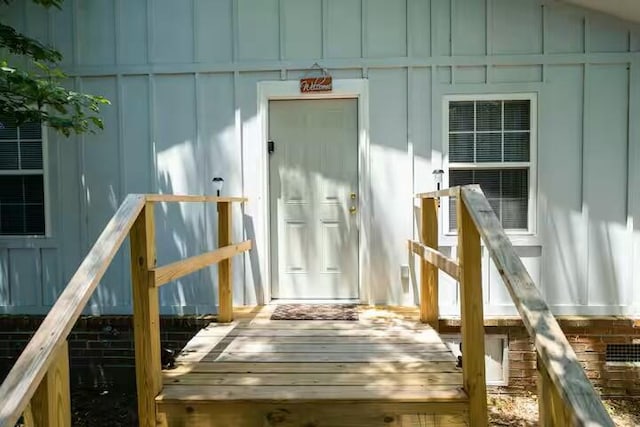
(321, 83)
(316, 84)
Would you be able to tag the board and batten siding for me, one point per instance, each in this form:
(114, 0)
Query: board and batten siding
(182, 78)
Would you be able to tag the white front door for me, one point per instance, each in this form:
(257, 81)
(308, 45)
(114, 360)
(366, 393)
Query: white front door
(313, 174)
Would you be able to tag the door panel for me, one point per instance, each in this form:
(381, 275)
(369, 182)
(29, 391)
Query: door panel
(313, 174)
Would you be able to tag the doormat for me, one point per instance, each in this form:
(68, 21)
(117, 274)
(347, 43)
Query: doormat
(315, 312)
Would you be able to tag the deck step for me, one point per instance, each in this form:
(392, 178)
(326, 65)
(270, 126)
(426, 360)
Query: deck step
(386, 371)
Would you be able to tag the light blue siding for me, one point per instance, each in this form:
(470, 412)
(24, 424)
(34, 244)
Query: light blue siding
(96, 32)
(605, 181)
(606, 34)
(564, 30)
(182, 77)
(213, 31)
(516, 27)
(170, 42)
(258, 29)
(102, 173)
(24, 277)
(440, 27)
(302, 36)
(132, 33)
(386, 24)
(563, 225)
(52, 284)
(62, 33)
(388, 104)
(419, 22)
(469, 17)
(343, 28)
(5, 292)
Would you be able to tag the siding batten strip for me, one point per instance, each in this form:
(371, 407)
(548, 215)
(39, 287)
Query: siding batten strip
(632, 135)
(74, 34)
(237, 116)
(122, 170)
(489, 39)
(452, 11)
(117, 6)
(202, 158)
(195, 49)
(235, 31)
(152, 132)
(408, 46)
(150, 32)
(84, 218)
(323, 28)
(543, 18)
(584, 296)
(364, 49)
(432, 31)
(281, 33)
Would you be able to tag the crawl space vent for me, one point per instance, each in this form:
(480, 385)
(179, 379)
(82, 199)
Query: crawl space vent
(623, 353)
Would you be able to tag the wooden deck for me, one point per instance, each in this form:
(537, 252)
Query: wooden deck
(386, 369)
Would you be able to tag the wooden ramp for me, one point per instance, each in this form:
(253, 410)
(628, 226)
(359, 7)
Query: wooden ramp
(386, 369)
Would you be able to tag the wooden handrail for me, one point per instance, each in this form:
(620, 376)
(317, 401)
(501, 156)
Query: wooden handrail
(20, 384)
(192, 199)
(565, 395)
(558, 359)
(40, 378)
(435, 258)
(447, 192)
(178, 269)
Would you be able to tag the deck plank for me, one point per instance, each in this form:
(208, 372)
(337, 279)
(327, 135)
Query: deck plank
(385, 369)
(308, 379)
(302, 367)
(403, 393)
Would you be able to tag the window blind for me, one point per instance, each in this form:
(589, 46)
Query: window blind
(489, 144)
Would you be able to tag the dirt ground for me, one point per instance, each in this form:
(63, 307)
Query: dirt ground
(507, 411)
(96, 408)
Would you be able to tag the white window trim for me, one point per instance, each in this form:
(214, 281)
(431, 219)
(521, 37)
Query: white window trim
(532, 164)
(45, 184)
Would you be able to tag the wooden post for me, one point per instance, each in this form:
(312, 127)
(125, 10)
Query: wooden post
(225, 290)
(552, 411)
(472, 319)
(145, 315)
(428, 272)
(51, 403)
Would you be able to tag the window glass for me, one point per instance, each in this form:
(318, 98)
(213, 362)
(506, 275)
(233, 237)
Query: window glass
(22, 210)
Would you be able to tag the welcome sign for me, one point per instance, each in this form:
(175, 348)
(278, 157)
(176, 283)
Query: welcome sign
(316, 84)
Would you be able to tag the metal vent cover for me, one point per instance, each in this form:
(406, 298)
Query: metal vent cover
(623, 353)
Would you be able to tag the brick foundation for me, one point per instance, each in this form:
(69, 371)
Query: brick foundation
(589, 338)
(101, 348)
(102, 352)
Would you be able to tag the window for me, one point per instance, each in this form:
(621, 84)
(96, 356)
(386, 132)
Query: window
(490, 142)
(22, 210)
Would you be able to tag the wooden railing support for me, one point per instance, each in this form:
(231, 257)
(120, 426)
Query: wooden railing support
(51, 403)
(429, 272)
(552, 411)
(37, 386)
(225, 274)
(145, 315)
(472, 319)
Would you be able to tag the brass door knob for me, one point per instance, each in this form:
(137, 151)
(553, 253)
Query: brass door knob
(353, 196)
(352, 209)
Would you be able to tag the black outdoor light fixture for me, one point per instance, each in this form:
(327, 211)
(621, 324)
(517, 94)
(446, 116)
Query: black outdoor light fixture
(218, 181)
(437, 178)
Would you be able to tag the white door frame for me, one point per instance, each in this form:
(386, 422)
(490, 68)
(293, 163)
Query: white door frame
(342, 88)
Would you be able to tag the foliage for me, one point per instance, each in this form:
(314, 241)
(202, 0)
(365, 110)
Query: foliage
(31, 84)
